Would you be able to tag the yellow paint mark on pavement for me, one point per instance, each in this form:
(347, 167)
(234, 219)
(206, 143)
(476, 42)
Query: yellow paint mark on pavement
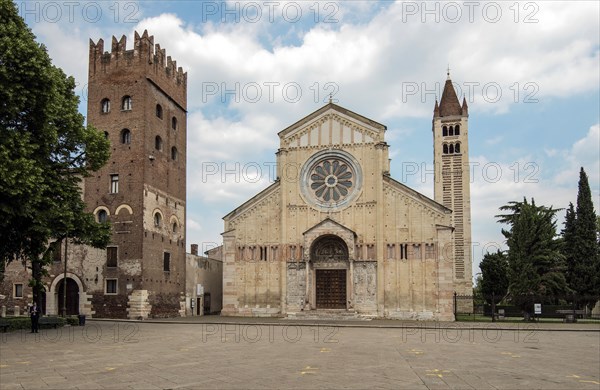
(415, 351)
(309, 370)
(27, 362)
(438, 373)
(3, 365)
(325, 350)
(573, 376)
(110, 368)
(594, 382)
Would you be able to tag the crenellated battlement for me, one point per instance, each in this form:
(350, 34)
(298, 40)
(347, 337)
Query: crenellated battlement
(150, 58)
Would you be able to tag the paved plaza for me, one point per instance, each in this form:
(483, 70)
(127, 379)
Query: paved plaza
(280, 354)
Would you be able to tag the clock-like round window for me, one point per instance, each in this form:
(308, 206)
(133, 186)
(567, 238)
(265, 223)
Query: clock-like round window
(331, 179)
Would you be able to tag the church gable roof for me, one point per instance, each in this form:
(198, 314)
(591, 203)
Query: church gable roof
(417, 196)
(254, 201)
(373, 126)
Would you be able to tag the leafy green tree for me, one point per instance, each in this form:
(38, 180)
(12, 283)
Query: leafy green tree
(494, 276)
(535, 262)
(581, 245)
(45, 150)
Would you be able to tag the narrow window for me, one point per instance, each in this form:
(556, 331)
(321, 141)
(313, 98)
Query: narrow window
(125, 136)
(105, 106)
(111, 256)
(126, 103)
(106, 134)
(157, 219)
(457, 148)
(174, 123)
(111, 286)
(114, 184)
(451, 130)
(174, 227)
(451, 149)
(166, 262)
(18, 291)
(445, 149)
(57, 255)
(445, 131)
(159, 113)
(102, 216)
(158, 143)
(174, 153)
(457, 130)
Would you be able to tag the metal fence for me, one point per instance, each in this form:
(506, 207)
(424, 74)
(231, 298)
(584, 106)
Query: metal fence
(569, 308)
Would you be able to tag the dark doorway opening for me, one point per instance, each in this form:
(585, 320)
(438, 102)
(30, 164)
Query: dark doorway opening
(206, 303)
(331, 288)
(72, 297)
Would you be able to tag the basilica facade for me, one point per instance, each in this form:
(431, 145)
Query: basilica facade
(335, 232)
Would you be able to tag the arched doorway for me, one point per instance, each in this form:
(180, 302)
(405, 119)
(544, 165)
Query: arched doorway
(329, 258)
(72, 297)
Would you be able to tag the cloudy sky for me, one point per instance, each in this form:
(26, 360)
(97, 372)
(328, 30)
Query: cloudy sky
(529, 70)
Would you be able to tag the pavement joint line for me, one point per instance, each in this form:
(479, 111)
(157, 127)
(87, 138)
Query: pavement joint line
(437, 326)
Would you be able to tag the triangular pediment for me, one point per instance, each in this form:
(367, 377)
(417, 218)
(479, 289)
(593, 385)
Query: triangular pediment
(332, 125)
(329, 225)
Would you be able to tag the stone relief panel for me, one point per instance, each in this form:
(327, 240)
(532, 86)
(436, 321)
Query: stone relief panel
(296, 286)
(365, 285)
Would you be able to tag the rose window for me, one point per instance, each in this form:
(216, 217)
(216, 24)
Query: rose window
(331, 180)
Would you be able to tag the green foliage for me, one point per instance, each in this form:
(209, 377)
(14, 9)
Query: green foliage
(494, 276)
(45, 150)
(535, 262)
(581, 247)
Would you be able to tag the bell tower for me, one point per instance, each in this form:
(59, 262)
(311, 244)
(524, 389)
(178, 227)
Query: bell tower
(452, 177)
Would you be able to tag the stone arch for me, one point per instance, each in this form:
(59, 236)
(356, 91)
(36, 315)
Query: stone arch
(329, 247)
(52, 304)
(124, 207)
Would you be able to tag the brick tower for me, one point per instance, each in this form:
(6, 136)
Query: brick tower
(452, 178)
(138, 98)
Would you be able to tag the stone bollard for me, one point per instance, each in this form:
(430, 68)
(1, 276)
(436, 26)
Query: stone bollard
(3, 312)
(17, 311)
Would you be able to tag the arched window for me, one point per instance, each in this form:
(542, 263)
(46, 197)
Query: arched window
(102, 216)
(445, 131)
(106, 134)
(158, 143)
(451, 132)
(126, 103)
(105, 106)
(174, 153)
(445, 149)
(451, 149)
(174, 123)
(157, 219)
(457, 130)
(125, 136)
(457, 148)
(174, 227)
(159, 111)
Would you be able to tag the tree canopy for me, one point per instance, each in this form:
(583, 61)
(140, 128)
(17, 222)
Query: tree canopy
(535, 262)
(494, 276)
(45, 149)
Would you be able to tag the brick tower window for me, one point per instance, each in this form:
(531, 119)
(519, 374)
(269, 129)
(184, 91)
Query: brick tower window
(457, 130)
(102, 216)
(445, 147)
(451, 132)
(174, 227)
(158, 143)
(157, 219)
(174, 153)
(125, 136)
(457, 148)
(174, 123)
(159, 112)
(451, 149)
(167, 262)
(126, 103)
(105, 106)
(112, 256)
(114, 184)
(445, 131)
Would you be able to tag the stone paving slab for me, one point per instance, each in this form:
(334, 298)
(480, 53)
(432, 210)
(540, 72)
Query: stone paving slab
(118, 355)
